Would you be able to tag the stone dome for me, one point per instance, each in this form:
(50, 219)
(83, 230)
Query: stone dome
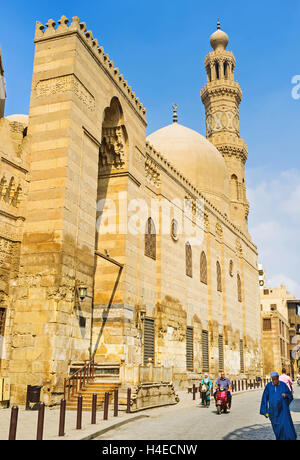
(197, 159)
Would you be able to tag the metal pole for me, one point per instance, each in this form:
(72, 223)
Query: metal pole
(13, 423)
(27, 398)
(116, 403)
(128, 400)
(106, 406)
(79, 413)
(62, 418)
(94, 409)
(194, 392)
(40, 424)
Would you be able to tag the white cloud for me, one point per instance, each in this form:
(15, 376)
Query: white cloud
(274, 225)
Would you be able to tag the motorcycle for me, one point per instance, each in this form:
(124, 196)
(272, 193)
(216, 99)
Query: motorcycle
(221, 401)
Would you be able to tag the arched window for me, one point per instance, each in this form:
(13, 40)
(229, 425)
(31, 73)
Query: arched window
(239, 288)
(150, 239)
(217, 71)
(189, 260)
(226, 70)
(203, 268)
(234, 187)
(219, 277)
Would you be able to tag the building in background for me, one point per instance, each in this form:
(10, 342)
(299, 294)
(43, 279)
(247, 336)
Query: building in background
(278, 314)
(78, 282)
(294, 328)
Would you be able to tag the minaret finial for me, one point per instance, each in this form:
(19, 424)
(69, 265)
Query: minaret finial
(175, 116)
(218, 24)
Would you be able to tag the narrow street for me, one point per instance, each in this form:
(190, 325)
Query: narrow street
(189, 421)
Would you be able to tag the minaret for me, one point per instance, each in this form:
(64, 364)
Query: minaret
(221, 97)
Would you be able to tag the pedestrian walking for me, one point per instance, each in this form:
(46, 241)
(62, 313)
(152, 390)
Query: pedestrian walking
(206, 388)
(275, 405)
(288, 381)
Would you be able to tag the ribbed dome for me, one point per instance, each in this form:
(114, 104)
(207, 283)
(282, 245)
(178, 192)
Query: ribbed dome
(197, 159)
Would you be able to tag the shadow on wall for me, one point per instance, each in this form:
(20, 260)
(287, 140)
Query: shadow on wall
(256, 432)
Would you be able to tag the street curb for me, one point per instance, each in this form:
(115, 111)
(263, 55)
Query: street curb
(112, 427)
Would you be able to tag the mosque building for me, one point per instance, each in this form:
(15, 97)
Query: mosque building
(115, 247)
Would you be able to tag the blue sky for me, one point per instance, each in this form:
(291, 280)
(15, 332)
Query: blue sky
(160, 47)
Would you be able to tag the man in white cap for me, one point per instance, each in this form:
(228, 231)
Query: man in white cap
(275, 405)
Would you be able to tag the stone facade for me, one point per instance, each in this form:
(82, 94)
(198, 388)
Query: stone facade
(76, 179)
(294, 330)
(275, 329)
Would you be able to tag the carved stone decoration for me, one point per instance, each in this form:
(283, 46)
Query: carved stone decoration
(174, 230)
(206, 223)
(63, 84)
(239, 248)
(221, 120)
(219, 230)
(179, 334)
(9, 192)
(6, 249)
(113, 147)
(152, 172)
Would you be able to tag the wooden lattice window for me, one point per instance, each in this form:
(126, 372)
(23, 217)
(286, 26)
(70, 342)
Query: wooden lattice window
(203, 268)
(221, 353)
(2, 321)
(189, 260)
(219, 277)
(205, 351)
(149, 340)
(242, 356)
(190, 349)
(150, 239)
(239, 288)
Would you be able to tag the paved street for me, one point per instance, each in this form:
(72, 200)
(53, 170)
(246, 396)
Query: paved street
(189, 421)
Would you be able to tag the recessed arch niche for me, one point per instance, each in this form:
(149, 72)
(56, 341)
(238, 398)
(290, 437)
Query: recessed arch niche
(114, 145)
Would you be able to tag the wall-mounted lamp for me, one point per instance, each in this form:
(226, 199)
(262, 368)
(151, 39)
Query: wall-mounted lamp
(82, 292)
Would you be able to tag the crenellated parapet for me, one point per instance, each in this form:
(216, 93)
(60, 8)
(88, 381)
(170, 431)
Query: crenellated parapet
(64, 27)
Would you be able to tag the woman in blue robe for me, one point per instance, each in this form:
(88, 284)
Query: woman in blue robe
(275, 405)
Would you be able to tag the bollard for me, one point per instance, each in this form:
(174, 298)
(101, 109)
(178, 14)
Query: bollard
(13, 423)
(40, 424)
(106, 406)
(194, 392)
(62, 418)
(79, 413)
(128, 400)
(94, 409)
(239, 385)
(116, 402)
